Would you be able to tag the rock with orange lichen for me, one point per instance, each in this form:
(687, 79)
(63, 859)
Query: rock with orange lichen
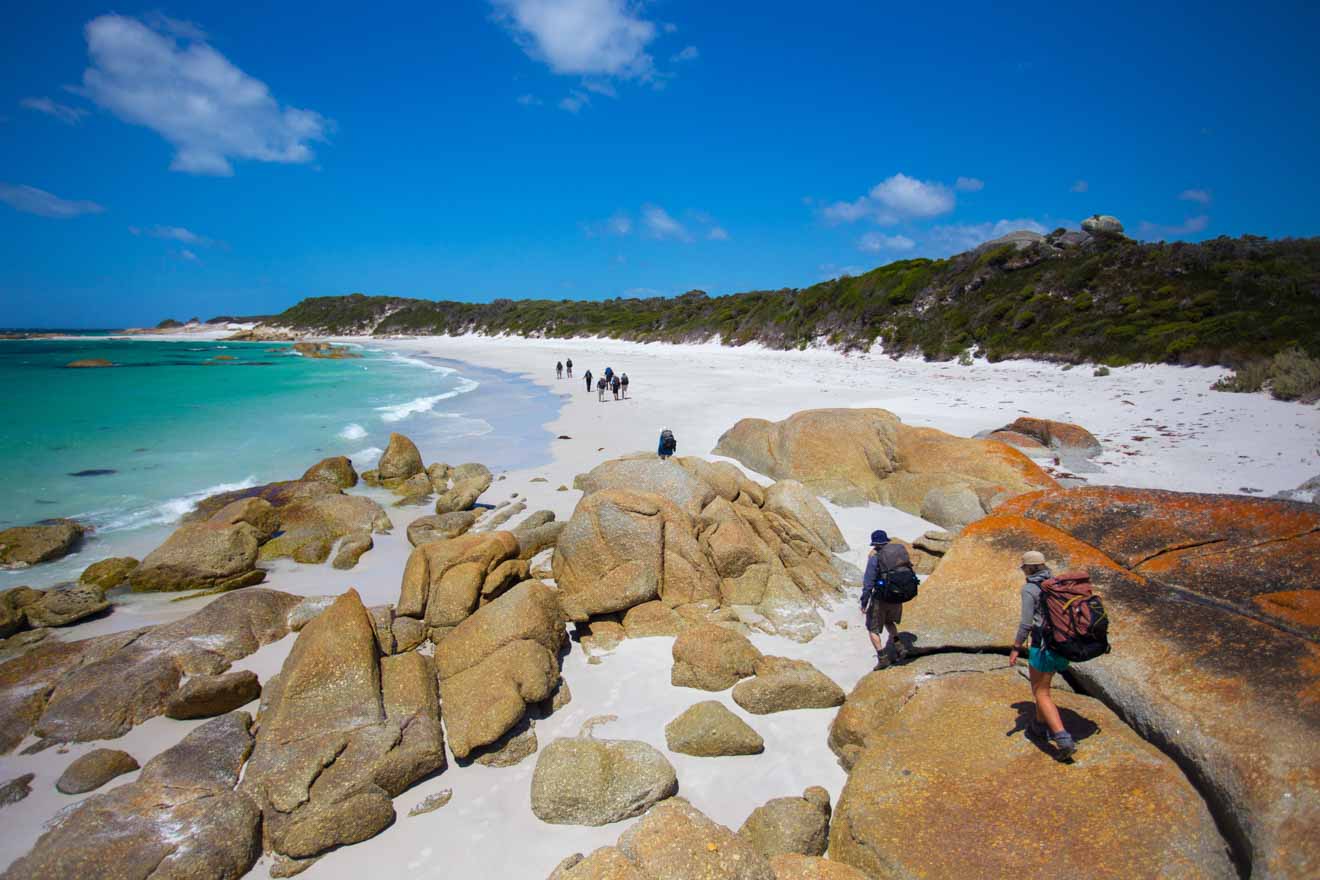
(1065, 438)
(792, 866)
(856, 456)
(949, 781)
(1215, 634)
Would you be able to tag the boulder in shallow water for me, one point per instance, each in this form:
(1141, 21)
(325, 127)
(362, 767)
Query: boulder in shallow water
(400, 461)
(88, 364)
(200, 556)
(62, 606)
(47, 540)
(94, 769)
(108, 573)
(336, 470)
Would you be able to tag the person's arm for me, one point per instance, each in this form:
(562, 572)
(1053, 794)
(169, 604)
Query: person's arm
(1025, 620)
(868, 579)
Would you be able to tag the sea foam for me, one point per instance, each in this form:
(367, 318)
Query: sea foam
(124, 520)
(353, 431)
(401, 411)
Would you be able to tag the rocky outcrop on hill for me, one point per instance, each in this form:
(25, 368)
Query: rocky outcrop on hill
(47, 540)
(587, 781)
(496, 663)
(939, 758)
(1102, 225)
(673, 840)
(856, 456)
(342, 731)
(687, 532)
(100, 688)
(1212, 602)
(180, 818)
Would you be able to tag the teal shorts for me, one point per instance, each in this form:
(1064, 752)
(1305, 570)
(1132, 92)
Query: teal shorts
(1045, 660)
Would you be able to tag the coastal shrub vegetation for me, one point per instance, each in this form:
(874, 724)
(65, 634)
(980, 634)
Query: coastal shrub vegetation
(1291, 374)
(1110, 300)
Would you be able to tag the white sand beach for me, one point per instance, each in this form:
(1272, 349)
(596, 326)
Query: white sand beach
(1161, 426)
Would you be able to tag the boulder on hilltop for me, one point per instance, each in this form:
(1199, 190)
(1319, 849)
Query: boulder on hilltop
(1213, 603)
(1102, 224)
(859, 456)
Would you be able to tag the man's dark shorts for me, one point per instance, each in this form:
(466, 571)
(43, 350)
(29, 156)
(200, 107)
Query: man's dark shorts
(879, 613)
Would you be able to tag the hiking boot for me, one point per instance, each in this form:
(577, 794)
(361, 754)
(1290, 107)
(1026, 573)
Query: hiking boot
(1063, 743)
(882, 662)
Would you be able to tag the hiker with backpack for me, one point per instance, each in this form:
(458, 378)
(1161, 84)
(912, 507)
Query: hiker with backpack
(889, 581)
(569, 364)
(588, 378)
(559, 369)
(614, 386)
(601, 384)
(1067, 624)
(667, 444)
(623, 380)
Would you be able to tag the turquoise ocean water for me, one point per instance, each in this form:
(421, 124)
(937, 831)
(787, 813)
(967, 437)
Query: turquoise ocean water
(128, 449)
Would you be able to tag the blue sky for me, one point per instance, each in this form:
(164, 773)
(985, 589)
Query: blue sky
(203, 159)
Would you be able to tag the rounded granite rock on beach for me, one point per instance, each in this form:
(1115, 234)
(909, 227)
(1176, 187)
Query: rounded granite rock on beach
(205, 696)
(94, 769)
(859, 456)
(781, 685)
(208, 555)
(709, 730)
(790, 825)
(587, 781)
(1247, 567)
(336, 470)
(711, 657)
(951, 751)
(440, 527)
(62, 606)
(44, 541)
(400, 461)
(108, 573)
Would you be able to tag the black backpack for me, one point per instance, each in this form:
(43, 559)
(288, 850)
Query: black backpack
(898, 586)
(667, 440)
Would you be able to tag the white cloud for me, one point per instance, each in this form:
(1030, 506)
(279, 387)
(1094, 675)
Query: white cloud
(1079, 186)
(1196, 195)
(893, 200)
(956, 238)
(172, 82)
(574, 101)
(969, 184)
(718, 233)
(688, 53)
(618, 224)
(188, 255)
(63, 112)
(582, 37)
(174, 233)
(874, 242)
(659, 224)
(530, 101)
(31, 200)
(1190, 226)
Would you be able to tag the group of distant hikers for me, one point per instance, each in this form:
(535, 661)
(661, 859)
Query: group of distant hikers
(1065, 621)
(610, 381)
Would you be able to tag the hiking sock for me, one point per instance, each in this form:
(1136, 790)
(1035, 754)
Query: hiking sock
(1063, 741)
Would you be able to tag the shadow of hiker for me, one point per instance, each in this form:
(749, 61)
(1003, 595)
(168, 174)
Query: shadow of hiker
(1079, 726)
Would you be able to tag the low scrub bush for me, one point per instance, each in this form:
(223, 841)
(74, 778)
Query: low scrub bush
(1291, 374)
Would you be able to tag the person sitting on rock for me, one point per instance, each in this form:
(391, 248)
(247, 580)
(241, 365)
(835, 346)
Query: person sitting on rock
(587, 376)
(600, 389)
(885, 556)
(569, 364)
(1042, 661)
(559, 369)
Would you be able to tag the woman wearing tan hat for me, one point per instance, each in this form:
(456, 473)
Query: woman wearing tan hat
(1042, 661)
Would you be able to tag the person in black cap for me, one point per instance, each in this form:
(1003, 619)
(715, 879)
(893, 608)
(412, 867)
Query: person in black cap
(883, 558)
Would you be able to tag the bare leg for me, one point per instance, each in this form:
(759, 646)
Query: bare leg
(1046, 711)
(876, 641)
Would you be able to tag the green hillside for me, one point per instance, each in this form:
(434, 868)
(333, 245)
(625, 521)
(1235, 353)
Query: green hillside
(1109, 299)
